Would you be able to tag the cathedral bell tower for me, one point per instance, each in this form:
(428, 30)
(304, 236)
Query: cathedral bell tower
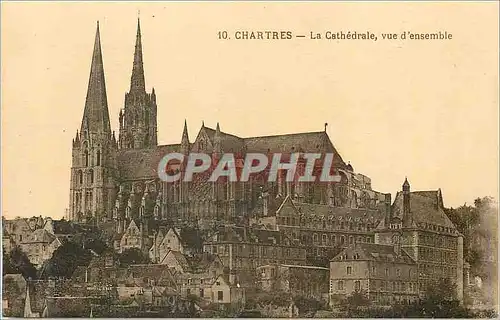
(138, 124)
(93, 170)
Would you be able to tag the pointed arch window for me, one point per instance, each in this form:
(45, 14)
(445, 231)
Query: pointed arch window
(86, 158)
(157, 211)
(91, 176)
(80, 176)
(98, 157)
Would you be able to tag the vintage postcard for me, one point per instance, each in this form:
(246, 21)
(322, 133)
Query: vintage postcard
(249, 159)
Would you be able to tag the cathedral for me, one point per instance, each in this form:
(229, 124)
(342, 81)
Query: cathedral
(115, 185)
(115, 179)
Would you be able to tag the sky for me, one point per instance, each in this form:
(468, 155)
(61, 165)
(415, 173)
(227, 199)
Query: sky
(423, 109)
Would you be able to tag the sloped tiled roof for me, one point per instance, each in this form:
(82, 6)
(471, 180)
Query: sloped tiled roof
(160, 272)
(373, 252)
(40, 235)
(426, 208)
(317, 210)
(201, 262)
(137, 164)
(181, 259)
(300, 142)
(247, 234)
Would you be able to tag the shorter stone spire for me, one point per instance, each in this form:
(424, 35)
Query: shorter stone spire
(185, 138)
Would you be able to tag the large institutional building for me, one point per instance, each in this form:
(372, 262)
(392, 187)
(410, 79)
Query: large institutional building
(114, 181)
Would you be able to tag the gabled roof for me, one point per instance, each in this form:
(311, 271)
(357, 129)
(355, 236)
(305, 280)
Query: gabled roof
(426, 208)
(40, 236)
(203, 261)
(17, 223)
(224, 278)
(137, 164)
(160, 272)
(317, 142)
(373, 252)
(180, 258)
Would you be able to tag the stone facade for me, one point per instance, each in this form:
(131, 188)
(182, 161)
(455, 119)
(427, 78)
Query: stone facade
(385, 273)
(227, 292)
(39, 246)
(244, 249)
(309, 281)
(427, 235)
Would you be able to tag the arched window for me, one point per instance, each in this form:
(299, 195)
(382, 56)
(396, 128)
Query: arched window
(98, 157)
(86, 156)
(354, 199)
(91, 176)
(157, 211)
(357, 285)
(80, 176)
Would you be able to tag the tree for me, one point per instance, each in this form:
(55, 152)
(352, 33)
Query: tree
(18, 262)
(477, 224)
(97, 245)
(132, 256)
(65, 260)
(356, 304)
(7, 265)
(439, 302)
(307, 305)
(358, 299)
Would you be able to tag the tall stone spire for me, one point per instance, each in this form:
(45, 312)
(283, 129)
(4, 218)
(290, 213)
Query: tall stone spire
(138, 128)
(137, 83)
(96, 113)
